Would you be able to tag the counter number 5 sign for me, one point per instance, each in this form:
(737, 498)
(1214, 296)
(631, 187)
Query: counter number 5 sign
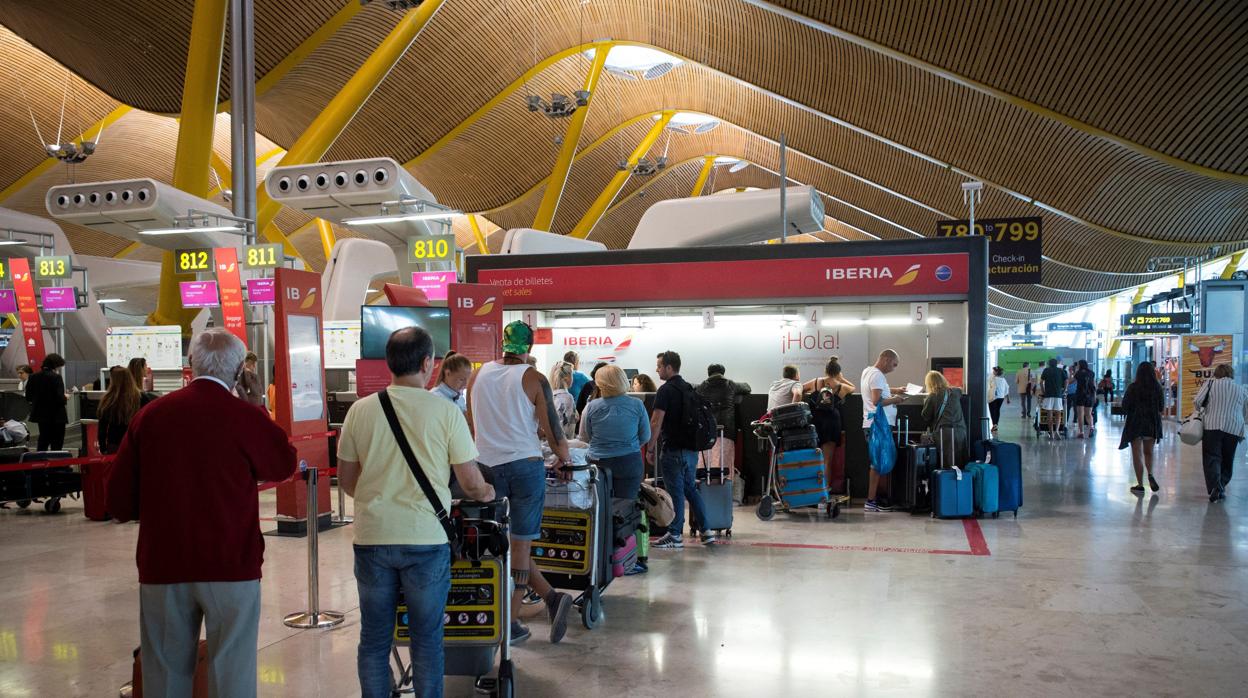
(918, 313)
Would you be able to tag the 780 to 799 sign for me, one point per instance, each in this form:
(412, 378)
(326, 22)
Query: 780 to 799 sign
(1014, 246)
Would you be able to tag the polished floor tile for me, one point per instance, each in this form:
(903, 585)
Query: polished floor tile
(1091, 590)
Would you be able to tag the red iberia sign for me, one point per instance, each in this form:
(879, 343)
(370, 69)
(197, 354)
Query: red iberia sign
(917, 276)
(231, 292)
(28, 310)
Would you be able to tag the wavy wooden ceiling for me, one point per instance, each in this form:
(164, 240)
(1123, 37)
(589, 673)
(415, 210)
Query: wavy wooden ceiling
(1112, 115)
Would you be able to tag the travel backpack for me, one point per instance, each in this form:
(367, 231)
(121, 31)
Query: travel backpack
(698, 427)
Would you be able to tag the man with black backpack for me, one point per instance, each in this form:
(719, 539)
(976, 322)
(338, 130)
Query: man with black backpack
(680, 426)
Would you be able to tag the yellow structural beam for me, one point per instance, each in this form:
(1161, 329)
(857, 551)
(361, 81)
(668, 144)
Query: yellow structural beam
(571, 138)
(333, 119)
(1232, 264)
(1139, 296)
(194, 151)
(596, 209)
(476, 233)
(700, 183)
(328, 239)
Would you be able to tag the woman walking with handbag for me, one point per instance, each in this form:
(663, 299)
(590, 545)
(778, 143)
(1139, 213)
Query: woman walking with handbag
(1143, 403)
(1224, 404)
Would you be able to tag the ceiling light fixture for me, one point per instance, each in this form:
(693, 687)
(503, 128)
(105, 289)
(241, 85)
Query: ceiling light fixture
(110, 301)
(402, 217)
(184, 231)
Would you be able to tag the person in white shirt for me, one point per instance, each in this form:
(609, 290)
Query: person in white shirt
(785, 391)
(999, 392)
(875, 391)
(1225, 405)
(1025, 385)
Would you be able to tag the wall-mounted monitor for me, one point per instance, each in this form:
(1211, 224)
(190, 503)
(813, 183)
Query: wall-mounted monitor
(377, 322)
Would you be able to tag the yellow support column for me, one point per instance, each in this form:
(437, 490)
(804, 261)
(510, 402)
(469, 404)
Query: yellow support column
(1113, 347)
(476, 232)
(590, 219)
(700, 183)
(327, 237)
(333, 119)
(1232, 264)
(567, 151)
(194, 151)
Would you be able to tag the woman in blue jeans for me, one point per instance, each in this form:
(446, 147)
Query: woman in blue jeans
(615, 426)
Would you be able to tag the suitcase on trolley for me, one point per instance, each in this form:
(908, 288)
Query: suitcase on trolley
(799, 438)
(800, 478)
(790, 416)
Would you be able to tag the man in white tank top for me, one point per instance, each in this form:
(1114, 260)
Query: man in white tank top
(508, 403)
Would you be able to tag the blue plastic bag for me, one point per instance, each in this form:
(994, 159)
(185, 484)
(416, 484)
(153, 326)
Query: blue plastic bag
(880, 446)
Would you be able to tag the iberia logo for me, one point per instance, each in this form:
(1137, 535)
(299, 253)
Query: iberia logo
(20, 276)
(309, 300)
(486, 307)
(628, 342)
(911, 274)
(226, 268)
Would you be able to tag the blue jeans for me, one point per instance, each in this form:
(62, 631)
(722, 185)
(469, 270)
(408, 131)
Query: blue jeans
(677, 466)
(424, 573)
(626, 472)
(523, 482)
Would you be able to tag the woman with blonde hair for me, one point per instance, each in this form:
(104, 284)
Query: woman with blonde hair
(560, 377)
(942, 410)
(453, 379)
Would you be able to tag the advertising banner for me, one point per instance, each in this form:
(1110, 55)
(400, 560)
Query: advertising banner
(1014, 246)
(476, 321)
(58, 299)
(232, 313)
(1202, 353)
(261, 291)
(433, 283)
(199, 294)
(918, 276)
(28, 310)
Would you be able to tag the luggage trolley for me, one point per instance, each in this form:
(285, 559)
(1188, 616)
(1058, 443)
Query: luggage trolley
(574, 549)
(477, 621)
(44, 485)
(777, 487)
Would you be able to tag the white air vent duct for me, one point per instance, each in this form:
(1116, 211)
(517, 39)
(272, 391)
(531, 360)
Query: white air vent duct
(739, 219)
(126, 207)
(350, 269)
(530, 241)
(337, 191)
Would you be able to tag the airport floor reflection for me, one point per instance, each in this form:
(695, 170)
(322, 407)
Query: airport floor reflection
(1091, 590)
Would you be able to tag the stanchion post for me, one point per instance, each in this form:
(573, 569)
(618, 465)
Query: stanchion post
(314, 617)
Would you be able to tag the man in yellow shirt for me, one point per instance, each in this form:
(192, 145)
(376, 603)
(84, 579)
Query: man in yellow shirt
(399, 540)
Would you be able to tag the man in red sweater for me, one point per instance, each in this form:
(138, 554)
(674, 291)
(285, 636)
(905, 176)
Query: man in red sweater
(187, 470)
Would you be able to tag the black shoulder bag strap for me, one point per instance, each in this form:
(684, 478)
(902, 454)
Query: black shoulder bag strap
(452, 536)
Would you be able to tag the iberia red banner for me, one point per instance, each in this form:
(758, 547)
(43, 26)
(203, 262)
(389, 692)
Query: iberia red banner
(28, 311)
(913, 276)
(231, 292)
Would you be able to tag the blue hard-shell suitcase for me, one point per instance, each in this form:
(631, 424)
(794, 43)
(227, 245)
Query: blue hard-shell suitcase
(985, 487)
(952, 494)
(1008, 457)
(800, 477)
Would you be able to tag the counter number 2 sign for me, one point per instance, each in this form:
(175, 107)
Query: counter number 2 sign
(613, 318)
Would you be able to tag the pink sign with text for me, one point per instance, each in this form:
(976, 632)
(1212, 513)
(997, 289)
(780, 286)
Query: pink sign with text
(199, 294)
(58, 299)
(8, 301)
(433, 283)
(261, 291)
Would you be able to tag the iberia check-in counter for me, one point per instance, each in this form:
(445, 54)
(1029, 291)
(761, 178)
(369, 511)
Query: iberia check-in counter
(758, 308)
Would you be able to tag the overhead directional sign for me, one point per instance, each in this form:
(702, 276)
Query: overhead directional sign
(1070, 326)
(431, 248)
(1014, 246)
(1157, 323)
(194, 261)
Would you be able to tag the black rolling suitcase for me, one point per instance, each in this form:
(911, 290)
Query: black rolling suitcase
(910, 483)
(792, 416)
(799, 438)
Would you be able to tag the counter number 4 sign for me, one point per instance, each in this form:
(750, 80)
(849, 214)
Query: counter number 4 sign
(813, 315)
(708, 318)
(613, 318)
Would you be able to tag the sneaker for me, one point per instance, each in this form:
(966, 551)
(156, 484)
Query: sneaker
(639, 568)
(1153, 483)
(708, 538)
(873, 505)
(669, 541)
(530, 599)
(558, 610)
(519, 632)
(1137, 489)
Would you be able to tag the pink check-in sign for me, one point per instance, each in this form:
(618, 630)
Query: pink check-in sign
(261, 291)
(8, 301)
(200, 294)
(58, 299)
(433, 283)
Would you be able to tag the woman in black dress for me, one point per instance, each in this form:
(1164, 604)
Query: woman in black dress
(825, 395)
(46, 392)
(1085, 396)
(1143, 404)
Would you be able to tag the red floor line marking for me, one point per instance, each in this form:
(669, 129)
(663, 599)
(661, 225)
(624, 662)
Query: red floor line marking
(974, 537)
